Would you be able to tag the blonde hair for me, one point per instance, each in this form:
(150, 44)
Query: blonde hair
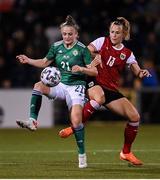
(70, 22)
(125, 24)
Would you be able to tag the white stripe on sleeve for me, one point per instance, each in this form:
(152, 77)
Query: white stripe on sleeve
(131, 59)
(98, 43)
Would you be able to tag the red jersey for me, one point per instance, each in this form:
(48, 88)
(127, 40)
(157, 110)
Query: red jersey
(113, 62)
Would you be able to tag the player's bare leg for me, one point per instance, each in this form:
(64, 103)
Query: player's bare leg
(89, 108)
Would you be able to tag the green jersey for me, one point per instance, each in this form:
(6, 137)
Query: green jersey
(65, 58)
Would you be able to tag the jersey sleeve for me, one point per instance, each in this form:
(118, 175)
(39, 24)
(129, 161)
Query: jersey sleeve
(131, 59)
(87, 56)
(97, 44)
(51, 53)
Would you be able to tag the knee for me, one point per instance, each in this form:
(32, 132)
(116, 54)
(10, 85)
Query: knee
(76, 123)
(38, 86)
(76, 119)
(134, 117)
(100, 99)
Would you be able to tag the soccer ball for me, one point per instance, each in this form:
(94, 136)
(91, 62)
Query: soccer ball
(50, 76)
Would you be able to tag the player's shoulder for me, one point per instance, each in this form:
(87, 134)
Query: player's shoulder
(58, 43)
(127, 50)
(81, 45)
(99, 40)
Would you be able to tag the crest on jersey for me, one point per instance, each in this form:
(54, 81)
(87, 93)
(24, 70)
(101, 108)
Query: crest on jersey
(75, 52)
(122, 56)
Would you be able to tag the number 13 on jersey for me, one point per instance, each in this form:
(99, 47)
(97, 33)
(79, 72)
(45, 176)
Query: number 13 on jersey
(111, 61)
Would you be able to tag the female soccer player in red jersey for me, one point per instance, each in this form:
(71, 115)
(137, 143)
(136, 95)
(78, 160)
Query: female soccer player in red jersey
(111, 59)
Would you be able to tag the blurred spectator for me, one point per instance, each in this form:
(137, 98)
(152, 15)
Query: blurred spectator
(151, 48)
(4, 74)
(39, 41)
(53, 34)
(6, 5)
(19, 40)
(149, 98)
(152, 81)
(10, 53)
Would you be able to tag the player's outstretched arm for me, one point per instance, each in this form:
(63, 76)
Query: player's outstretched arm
(41, 63)
(140, 72)
(89, 70)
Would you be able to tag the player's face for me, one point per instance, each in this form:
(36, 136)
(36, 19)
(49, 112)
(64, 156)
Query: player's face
(116, 34)
(69, 35)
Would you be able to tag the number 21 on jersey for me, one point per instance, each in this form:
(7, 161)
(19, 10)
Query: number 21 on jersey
(65, 66)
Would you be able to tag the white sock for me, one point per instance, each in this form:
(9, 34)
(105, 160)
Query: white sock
(94, 104)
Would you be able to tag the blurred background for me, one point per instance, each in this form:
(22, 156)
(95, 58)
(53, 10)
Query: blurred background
(31, 26)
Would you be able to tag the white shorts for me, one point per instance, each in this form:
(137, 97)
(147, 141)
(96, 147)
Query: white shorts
(73, 94)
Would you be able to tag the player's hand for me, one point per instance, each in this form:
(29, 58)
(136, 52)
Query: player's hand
(77, 68)
(97, 61)
(144, 73)
(22, 59)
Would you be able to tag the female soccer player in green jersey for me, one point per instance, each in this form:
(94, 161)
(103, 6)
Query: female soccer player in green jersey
(73, 60)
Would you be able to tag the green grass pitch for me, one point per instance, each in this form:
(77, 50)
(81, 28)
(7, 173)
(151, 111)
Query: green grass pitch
(42, 154)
